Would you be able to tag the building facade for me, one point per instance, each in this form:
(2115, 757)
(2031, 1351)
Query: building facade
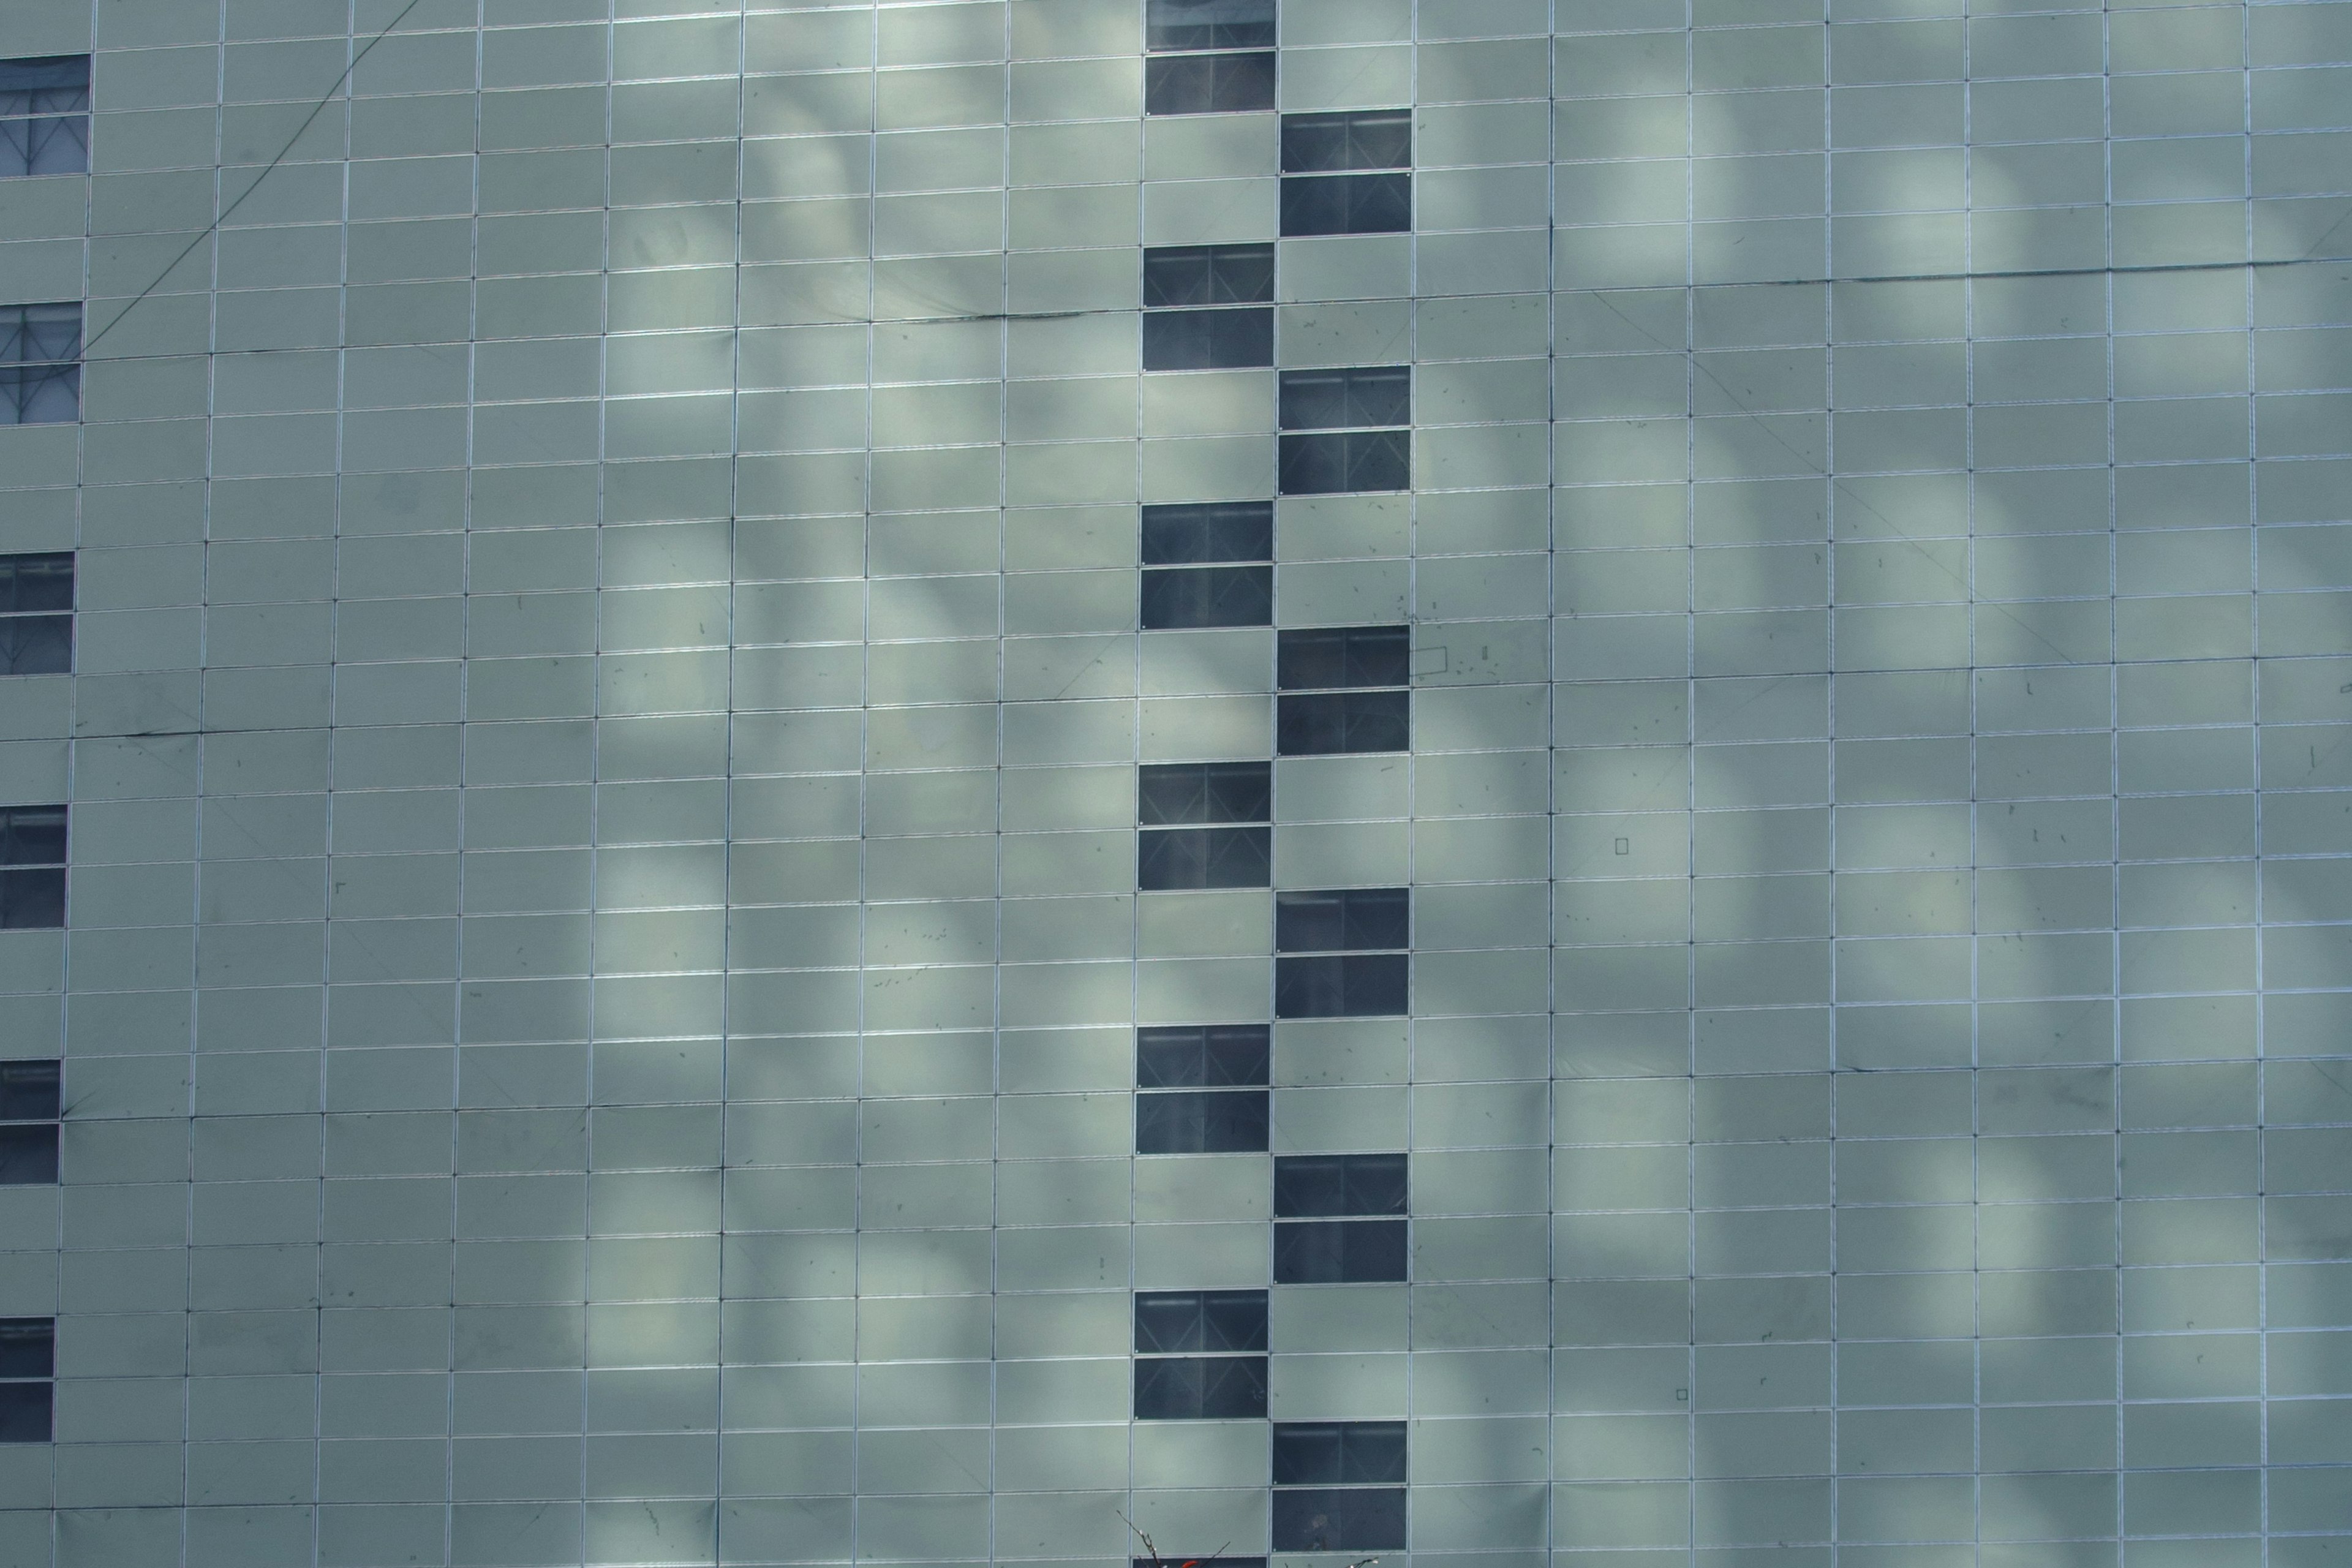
(1483, 781)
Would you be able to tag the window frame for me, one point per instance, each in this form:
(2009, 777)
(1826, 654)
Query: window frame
(40, 621)
(22, 134)
(33, 886)
(1201, 1380)
(40, 1384)
(29, 1121)
(1225, 81)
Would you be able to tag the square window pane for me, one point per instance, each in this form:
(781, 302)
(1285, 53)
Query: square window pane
(29, 1155)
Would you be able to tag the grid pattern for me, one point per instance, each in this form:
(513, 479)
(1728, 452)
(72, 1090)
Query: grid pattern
(598, 1005)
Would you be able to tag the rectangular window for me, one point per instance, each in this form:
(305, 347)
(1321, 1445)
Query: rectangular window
(32, 868)
(1203, 1121)
(1227, 339)
(1331, 723)
(1339, 1453)
(1338, 1251)
(1354, 462)
(1344, 920)
(45, 115)
(1324, 1186)
(1172, 1323)
(1345, 203)
(1183, 590)
(1210, 23)
(1339, 1519)
(1175, 275)
(1343, 985)
(28, 1364)
(1168, 794)
(28, 1123)
(1170, 854)
(40, 365)
(1200, 1355)
(1203, 1088)
(1203, 1055)
(1359, 139)
(1321, 658)
(1347, 398)
(1209, 84)
(1176, 859)
(36, 598)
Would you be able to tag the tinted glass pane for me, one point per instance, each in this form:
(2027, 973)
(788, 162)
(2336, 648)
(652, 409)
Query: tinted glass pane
(1193, 534)
(1207, 340)
(1172, 859)
(36, 644)
(24, 1412)
(1175, 1320)
(1208, 84)
(1324, 657)
(33, 836)
(1208, 275)
(42, 582)
(1345, 204)
(1353, 985)
(1191, 598)
(1201, 1121)
(44, 145)
(27, 1347)
(1351, 463)
(1326, 723)
(1179, 1560)
(33, 334)
(1348, 919)
(1366, 139)
(1201, 1055)
(32, 900)
(1206, 1388)
(29, 1092)
(43, 84)
(1337, 1453)
(1340, 399)
(1338, 1251)
(40, 395)
(1317, 1185)
(1204, 792)
(1210, 23)
(29, 1155)
(1354, 1519)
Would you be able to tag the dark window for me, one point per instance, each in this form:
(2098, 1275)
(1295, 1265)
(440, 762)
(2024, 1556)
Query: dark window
(29, 1092)
(1208, 275)
(1170, 793)
(28, 1123)
(1200, 1388)
(1208, 339)
(1172, 1323)
(27, 1363)
(1197, 534)
(1338, 1251)
(1179, 1560)
(36, 596)
(1210, 23)
(1344, 920)
(1339, 1453)
(1324, 723)
(40, 365)
(1341, 1518)
(1191, 598)
(1170, 859)
(1350, 462)
(1345, 203)
(1208, 84)
(1201, 1121)
(1364, 138)
(32, 866)
(1348, 986)
(1321, 1186)
(1322, 658)
(45, 115)
(1344, 399)
(1203, 1055)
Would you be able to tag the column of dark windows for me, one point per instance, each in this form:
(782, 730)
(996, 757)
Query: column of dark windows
(1343, 690)
(1338, 1486)
(29, 1106)
(1209, 56)
(1203, 1088)
(1346, 173)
